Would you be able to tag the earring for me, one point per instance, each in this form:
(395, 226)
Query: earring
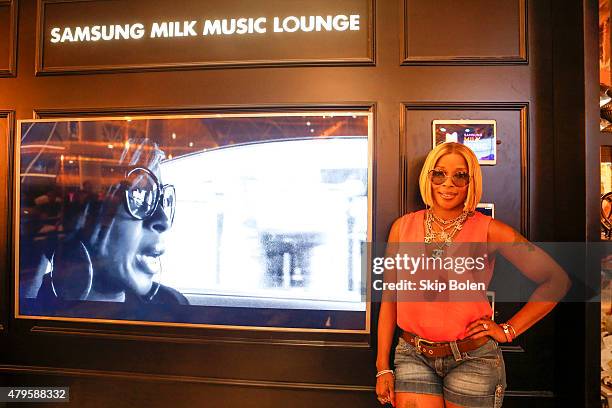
(155, 285)
(154, 289)
(72, 271)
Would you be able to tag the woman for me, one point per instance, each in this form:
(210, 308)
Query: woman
(448, 353)
(115, 239)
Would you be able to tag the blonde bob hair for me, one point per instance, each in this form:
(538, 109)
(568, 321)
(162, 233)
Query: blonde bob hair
(474, 187)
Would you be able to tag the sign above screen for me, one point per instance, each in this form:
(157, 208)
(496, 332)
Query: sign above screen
(110, 35)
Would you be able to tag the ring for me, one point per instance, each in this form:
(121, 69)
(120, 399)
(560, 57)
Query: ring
(486, 326)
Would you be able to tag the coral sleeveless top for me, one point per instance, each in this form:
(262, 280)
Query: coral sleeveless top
(446, 320)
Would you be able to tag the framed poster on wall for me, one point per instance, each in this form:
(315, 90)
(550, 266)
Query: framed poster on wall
(230, 221)
(478, 135)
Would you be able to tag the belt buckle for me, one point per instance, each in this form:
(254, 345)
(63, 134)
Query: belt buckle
(418, 342)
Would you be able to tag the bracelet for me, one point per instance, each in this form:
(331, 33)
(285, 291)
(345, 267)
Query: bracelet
(514, 336)
(505, 326)
(382, 372)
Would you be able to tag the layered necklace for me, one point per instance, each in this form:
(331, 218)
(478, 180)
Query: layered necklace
(448, 229)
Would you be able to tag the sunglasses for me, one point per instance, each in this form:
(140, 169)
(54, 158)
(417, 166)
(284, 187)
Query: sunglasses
(460, 179)
(144, 194)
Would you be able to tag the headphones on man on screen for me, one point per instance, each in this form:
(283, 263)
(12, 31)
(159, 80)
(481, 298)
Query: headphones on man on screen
(72, 272)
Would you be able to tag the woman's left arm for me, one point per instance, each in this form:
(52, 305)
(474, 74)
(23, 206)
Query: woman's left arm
(535, 264)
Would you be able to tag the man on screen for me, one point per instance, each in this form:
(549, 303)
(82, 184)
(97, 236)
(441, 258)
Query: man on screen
(113, 240)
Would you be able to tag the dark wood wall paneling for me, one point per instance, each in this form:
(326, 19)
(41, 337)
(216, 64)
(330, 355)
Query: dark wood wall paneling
(8, 37)
(160, 366)
(594, 139)
(569, 154)
(511, 197)
(464, 33)
(6, 146)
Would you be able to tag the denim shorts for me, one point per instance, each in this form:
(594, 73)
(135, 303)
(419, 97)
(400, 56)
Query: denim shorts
(476, 380)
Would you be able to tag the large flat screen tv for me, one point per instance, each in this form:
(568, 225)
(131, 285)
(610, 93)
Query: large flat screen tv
(237, 220)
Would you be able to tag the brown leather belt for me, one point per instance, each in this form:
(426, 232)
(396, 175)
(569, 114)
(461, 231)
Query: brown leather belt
(442, 349)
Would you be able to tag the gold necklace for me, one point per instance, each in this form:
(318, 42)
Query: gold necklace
(444, 237)
(445, 222)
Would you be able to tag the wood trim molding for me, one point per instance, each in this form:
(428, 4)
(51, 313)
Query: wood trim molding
(44, 113)
(40, 69)
(110, 334)
(513, 348)
(521, 59)
(11, 70)
(529, 394)
(521, 107)
(157, 378)
(6, 239)
(205, 335)
(524, 143)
